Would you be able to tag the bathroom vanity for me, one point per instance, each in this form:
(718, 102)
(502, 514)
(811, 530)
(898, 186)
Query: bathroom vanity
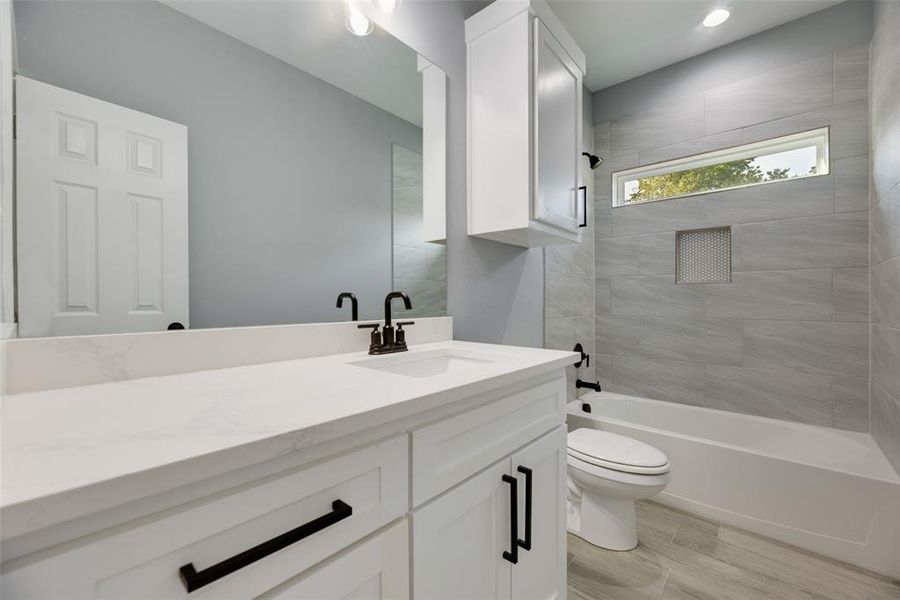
(433, 473)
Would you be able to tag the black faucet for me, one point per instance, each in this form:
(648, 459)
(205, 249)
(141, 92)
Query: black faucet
(354, 305)
(390, 339)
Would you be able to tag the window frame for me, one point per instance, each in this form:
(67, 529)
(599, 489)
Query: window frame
(819, 137)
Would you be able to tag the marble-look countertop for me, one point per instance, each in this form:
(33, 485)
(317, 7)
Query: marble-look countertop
(66, 452)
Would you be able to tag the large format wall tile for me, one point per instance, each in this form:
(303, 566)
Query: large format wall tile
(707, 143)
(886, 293)
(885, 239)
(885, 358)
(780, 200)
(657, 255)
(803, 397)
(674, 121)
(886, 424)
(786, 91)
(659, 379)
(851, 402)
(664, 215)
(848, 122)
(851, 294)
(804, 294)
(851, 74)
(655, 296)
(572, 259)
(602, 296)
(618, 335)
(851, 183)
(711, 341)
(839, 240)
(617, 256)
(886, 157)
(809, 346)
(567, 296)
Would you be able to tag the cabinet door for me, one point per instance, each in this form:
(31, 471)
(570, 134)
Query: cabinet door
(541, 572)
(459, 540)
(557, 132)
(377, 569)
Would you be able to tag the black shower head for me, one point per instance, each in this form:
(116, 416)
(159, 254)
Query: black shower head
(593, 159)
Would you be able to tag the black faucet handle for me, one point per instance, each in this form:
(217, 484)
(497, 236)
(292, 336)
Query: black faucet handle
(373, 326)
(402, 323)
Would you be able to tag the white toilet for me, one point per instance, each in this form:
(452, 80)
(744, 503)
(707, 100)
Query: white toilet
(607, 473)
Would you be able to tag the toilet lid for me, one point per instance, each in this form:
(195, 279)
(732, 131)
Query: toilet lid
(616, 452)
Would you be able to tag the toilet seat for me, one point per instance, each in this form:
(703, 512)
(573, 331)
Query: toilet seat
(616, 452)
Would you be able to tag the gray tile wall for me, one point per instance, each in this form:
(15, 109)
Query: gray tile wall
(419, 267)
(789, 337)
(885, 229)
(569, 290)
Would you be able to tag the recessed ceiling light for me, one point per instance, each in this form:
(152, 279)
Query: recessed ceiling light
(357, 23)
(716, 17)
(388, 7)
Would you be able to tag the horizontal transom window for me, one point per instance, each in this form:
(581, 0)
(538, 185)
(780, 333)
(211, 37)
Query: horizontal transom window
(780, 159)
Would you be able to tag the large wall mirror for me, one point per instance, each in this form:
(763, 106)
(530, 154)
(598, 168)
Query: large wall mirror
(217, 163)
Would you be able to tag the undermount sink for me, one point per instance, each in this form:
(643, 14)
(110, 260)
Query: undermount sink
(427, 364)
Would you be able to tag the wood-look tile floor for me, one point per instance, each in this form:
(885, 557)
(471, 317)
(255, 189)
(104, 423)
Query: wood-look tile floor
(680, 556)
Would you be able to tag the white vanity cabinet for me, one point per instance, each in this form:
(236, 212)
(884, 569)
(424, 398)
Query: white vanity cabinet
(465, 545)
(426, 506)
(524, 126)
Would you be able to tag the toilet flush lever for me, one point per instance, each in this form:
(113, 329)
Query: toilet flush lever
(585, 358)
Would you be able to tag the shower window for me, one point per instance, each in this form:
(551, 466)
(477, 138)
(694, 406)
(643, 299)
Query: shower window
(784, 158)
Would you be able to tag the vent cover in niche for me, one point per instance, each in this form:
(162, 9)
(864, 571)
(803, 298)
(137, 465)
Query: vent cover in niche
(703, 255)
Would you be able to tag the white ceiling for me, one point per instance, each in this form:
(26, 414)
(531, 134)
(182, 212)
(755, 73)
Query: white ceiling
(627, 38)
(311, 36)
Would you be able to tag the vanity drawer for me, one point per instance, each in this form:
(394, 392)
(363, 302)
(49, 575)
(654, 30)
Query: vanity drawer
(446, 452)
(144, 560)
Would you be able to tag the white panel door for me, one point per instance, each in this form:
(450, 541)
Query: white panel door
(541, 572)
(459, 540)
(557, 114)
(377, 569)
(102, 215)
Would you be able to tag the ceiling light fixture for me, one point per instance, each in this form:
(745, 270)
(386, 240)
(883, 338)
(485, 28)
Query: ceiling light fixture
(357, 23)
(716, 17)
(388, 7)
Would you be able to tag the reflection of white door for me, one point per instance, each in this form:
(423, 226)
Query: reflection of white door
(102, 215)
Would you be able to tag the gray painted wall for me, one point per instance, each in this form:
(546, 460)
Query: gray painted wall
(788, 338)
(843, 26)
(885, 230)
(290, 177)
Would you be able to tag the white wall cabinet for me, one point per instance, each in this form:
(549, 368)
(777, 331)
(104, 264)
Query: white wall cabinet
(524, 126)
(464, 543)
(484, 497)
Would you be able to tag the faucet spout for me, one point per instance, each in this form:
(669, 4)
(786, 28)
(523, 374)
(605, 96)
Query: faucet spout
(387, 305)
(354, 308)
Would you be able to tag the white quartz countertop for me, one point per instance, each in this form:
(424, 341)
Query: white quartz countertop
(68, 446)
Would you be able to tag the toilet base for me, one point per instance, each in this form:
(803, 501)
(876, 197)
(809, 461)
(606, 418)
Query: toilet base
(609, 523)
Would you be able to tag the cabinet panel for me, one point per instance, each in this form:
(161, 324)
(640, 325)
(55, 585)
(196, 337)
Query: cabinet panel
(447, 452)
(143, 560)
(459, 540)
(541, 572)
(557, 113)
(376, 569)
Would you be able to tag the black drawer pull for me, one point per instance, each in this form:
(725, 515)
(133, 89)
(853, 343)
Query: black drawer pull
(194, 580)
(526, 543)
(513, 554)
(583, 188)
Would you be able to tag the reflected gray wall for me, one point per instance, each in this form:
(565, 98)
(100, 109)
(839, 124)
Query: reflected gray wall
(420, 267)
(885, 231)
(789, 337)
(290, 177)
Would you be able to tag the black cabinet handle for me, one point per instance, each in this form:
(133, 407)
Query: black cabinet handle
(194, 580)
(513, 554)
(526, 543)
(583, 188)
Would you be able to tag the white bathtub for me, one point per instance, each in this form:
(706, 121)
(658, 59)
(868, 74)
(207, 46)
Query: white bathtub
(826, 490)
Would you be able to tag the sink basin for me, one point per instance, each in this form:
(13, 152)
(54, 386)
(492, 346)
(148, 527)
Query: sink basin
(427, 364)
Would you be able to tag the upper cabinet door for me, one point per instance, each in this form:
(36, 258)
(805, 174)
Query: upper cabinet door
(541, 572)
(557, 118)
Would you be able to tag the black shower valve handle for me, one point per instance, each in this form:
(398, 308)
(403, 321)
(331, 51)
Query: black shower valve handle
(585, 358)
